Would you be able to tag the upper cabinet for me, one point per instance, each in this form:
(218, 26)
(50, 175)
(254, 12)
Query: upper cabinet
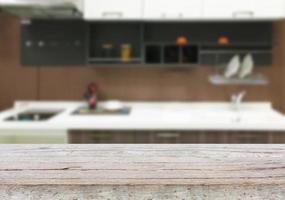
(167, 10)
(244, 9)
(172, 9)
(113, 9)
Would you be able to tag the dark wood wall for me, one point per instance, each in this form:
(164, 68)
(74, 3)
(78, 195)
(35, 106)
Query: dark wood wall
(132, 83)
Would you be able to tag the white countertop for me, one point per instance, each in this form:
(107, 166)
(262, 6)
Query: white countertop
(153, 116)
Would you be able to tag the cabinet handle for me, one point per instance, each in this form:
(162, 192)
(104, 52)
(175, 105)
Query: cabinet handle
(164, 16)
(168, 135)
(243, 14)
(112, 14)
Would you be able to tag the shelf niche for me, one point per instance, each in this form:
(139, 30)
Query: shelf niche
(106, 41)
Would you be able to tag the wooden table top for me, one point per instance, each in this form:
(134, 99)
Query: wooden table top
(142, 164)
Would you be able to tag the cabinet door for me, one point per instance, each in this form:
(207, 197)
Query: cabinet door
(33, 137)
(112, 9)
(46, 42)
(101, 137)
(243, 9)
(227, 9)
(248, 137)
(268, 9)
(172, 9)
(166, 138)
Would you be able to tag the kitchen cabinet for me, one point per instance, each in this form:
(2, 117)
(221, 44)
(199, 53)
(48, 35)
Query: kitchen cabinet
(112, 9)
(248, 138)
(106, 42)
(45, 43)
(101, 137)
(182, 9)
(172, 9)
(33, 137)
(53, 42)
(175, 137)
(244, 9)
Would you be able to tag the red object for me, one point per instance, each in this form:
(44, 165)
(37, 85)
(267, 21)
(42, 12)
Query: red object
(92, 102)
(92, 88)
(91, 95)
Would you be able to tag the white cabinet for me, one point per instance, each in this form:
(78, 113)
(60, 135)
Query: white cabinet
(269, 9)
(172, 9)
(244, 9)
(33, 137)
(183, 9)
(112, 9)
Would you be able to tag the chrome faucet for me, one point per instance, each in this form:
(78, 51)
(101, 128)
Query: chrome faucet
(236, 99)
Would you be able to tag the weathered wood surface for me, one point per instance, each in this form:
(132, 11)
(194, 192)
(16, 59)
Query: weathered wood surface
(142, 172)
(142, 165)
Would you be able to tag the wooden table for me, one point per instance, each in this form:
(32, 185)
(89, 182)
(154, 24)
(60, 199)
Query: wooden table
(144, 172)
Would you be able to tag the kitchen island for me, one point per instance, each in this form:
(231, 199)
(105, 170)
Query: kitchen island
(151, 122)
(139, 172)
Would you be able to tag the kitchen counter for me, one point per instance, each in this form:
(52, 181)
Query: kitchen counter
(152, 116)
(139, 172)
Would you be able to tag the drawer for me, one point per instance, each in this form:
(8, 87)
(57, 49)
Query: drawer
(172, 137)
(248, 138)
(101, 137)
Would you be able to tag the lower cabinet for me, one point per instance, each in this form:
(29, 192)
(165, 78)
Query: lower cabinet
(33, 137)
(175, 137)
(100, 137)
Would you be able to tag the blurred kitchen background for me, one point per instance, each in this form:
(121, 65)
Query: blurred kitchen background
(166, 60)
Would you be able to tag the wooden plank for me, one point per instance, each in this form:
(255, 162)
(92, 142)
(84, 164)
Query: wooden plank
(142, 165)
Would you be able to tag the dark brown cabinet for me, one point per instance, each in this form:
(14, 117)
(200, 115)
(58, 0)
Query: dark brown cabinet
(175, 137)
(101, 137)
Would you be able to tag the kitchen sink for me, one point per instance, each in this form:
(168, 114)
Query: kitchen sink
(34, 115)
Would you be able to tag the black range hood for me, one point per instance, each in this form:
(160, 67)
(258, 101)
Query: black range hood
(42, 8)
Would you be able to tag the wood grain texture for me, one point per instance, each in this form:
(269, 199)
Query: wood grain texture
(175, 137)
(137, 165)
(16, 82)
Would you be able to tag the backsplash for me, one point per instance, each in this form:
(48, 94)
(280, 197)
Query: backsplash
(126, 83)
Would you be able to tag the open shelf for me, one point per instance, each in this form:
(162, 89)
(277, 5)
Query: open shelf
(170, 53)
(221, 54)
(115, 60)
(154, 43)
(254, 79)
(113, 43)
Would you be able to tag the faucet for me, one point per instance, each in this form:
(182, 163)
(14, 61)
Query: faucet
(236, 99)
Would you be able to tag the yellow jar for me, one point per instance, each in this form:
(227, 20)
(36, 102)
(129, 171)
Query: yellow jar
(126, 50)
